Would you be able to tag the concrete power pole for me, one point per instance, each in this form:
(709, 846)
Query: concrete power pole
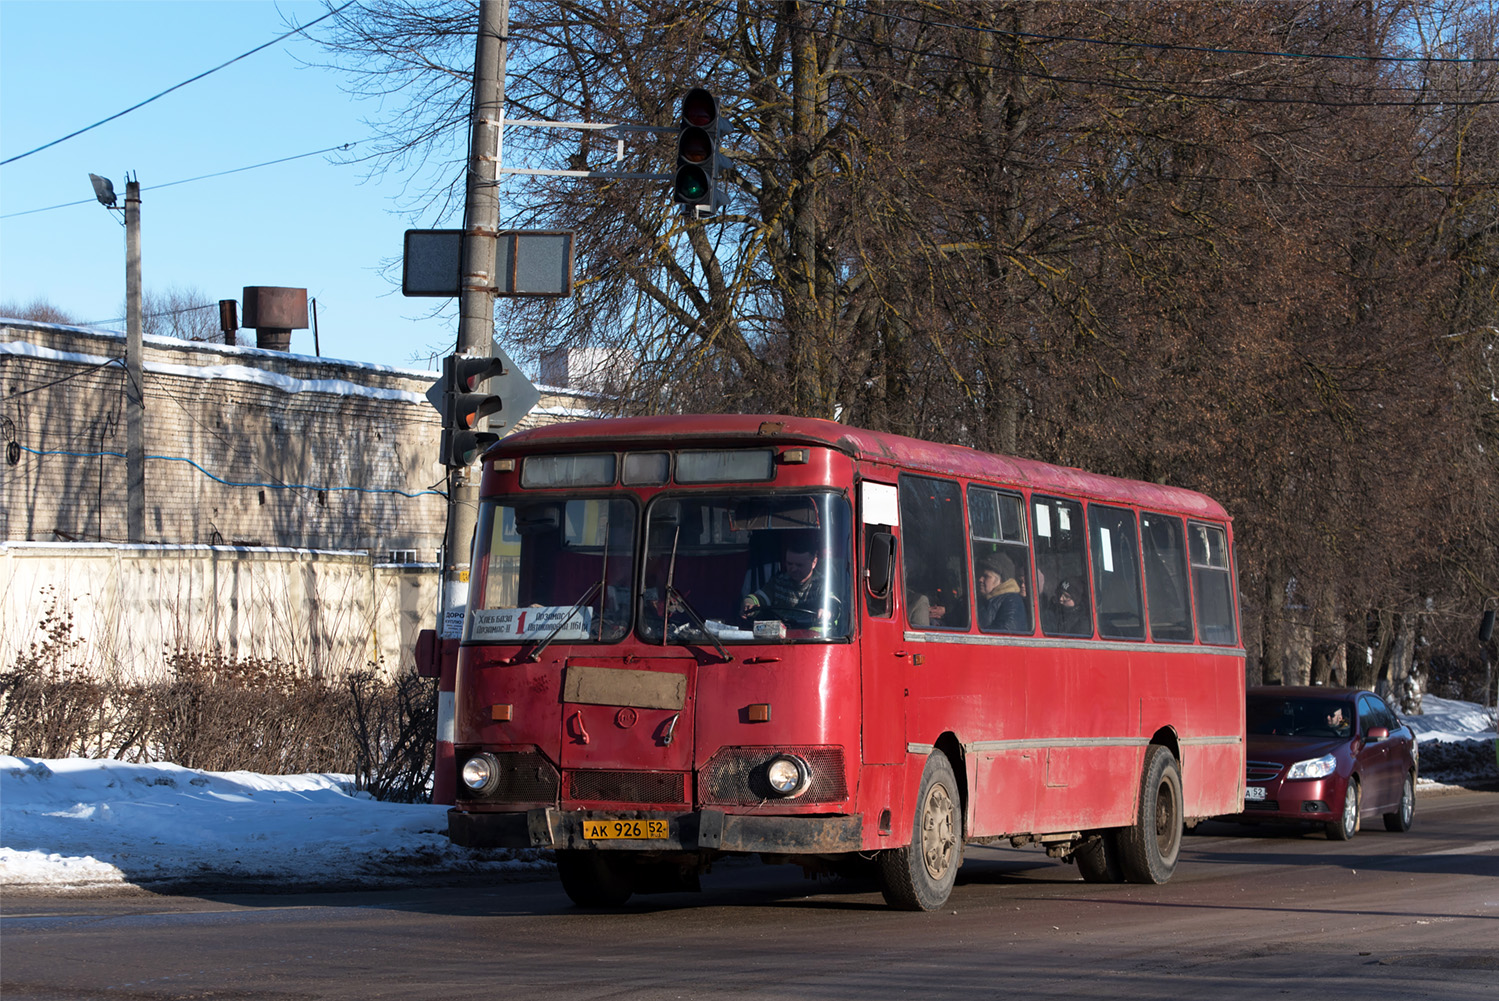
(479, 280)
(135, 399)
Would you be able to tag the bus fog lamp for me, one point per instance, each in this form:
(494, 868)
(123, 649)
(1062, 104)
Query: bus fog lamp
(481, 772)
(788, 775)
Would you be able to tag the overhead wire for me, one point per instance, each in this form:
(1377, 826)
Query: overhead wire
(295, 31)
(200, 177)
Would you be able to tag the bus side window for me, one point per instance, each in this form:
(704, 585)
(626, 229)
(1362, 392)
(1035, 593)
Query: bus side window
(1166, 578)
(933, 558)
(1061, 551)
(879, 570)
(1212, 583)
(997, 539)
(1116, 573)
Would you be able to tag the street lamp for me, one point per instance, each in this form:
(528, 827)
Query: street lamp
(135, 409)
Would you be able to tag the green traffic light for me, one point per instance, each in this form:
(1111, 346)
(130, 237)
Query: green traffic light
(692, 184)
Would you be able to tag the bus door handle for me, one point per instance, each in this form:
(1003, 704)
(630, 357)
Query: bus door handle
(668, 731)
(581, 735)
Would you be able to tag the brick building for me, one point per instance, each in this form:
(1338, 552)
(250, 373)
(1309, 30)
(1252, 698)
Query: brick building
(245, 446)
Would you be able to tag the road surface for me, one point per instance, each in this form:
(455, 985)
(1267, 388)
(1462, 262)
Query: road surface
(1252, 913)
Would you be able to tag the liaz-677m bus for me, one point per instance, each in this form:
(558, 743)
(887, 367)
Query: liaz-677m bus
(690, 637)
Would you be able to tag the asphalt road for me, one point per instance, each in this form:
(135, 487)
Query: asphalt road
(1251, 913)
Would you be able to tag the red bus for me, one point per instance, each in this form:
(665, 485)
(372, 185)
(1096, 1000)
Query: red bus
(697, 636)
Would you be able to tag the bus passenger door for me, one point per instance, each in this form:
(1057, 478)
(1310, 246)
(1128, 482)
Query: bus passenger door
(881, 640)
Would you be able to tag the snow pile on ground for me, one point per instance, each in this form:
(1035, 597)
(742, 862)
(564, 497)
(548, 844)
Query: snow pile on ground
(79, 823)
(1448, 719)
(1450, 736)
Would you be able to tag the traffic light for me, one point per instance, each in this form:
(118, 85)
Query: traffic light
(695, 186)
(465, 404)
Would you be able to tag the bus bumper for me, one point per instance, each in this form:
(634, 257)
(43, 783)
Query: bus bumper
(702, 830)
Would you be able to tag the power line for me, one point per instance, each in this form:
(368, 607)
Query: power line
(189, 180)
(1164, 90)
(1160, 46)
(142, 104)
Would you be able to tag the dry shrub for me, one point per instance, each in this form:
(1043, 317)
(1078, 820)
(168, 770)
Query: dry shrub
(221, 714)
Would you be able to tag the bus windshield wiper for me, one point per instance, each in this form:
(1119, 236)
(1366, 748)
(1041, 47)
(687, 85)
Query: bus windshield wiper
(535, 653)
(681, 599)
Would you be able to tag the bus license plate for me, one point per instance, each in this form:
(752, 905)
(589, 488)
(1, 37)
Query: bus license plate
(614, 830)
(1254, 792)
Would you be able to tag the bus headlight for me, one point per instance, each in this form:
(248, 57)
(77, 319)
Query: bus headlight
(481, 773)
(788, 775)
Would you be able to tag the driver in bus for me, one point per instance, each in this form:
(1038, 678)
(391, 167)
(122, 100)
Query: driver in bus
(800, 588)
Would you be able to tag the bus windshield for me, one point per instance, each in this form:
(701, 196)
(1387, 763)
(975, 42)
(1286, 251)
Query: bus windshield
(772, 568)
(553, 566)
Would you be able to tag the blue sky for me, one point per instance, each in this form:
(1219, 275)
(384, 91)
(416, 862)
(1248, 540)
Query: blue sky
(312, 223)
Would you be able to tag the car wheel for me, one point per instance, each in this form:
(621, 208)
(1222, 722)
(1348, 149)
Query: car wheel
(1401, 819)
(920, 876)
(593, 878)
(1148, 848)
(1346, 826)
(1098, 859)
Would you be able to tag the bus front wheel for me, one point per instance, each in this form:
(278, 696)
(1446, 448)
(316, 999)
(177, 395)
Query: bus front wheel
(594, 878)
(920, 876)
(1098, 859)
(1149, 848)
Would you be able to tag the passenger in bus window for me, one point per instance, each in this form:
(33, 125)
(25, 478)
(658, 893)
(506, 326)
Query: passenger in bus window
(798, 594)
(1002, 606)
(1068, 611)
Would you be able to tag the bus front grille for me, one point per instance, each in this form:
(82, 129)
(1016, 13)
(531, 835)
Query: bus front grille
(627, 787)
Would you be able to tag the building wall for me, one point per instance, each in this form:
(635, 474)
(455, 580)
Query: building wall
(244, 446)
(130, 608)
(276, 487)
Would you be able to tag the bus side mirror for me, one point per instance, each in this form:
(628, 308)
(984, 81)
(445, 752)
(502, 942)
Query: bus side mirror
(879, 564)
(1486, 627)
(428, 654)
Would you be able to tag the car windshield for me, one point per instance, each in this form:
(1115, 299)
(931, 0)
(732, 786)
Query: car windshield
(760, 569)
(1298, 717)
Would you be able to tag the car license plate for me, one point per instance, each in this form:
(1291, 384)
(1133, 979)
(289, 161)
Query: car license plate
(1254, 792)
(614, 830)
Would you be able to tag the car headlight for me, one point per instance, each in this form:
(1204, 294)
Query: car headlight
(481, 773)
(788, 775)
(1316, 768)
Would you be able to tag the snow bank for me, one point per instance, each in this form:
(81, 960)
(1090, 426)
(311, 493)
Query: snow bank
(87, 823)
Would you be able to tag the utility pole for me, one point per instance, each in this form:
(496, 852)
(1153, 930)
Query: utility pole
(481, 223)
(135, 400)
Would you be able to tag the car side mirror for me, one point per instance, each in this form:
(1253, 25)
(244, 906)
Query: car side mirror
(1378, 733)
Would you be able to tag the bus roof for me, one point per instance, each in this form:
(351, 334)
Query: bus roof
(717, 430)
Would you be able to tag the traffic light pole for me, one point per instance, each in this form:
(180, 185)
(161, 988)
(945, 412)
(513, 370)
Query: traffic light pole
(476, 297)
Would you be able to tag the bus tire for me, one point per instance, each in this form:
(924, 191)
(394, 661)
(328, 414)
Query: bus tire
(594, 878)
(1149, 848)
(920, 876)
(1098, 859)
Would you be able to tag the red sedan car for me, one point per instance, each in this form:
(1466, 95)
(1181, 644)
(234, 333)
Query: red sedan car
(1329, 756)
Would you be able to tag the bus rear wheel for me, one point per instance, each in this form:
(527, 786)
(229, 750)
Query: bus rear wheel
(920, 876)
(1149, 848)
(594, 878)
